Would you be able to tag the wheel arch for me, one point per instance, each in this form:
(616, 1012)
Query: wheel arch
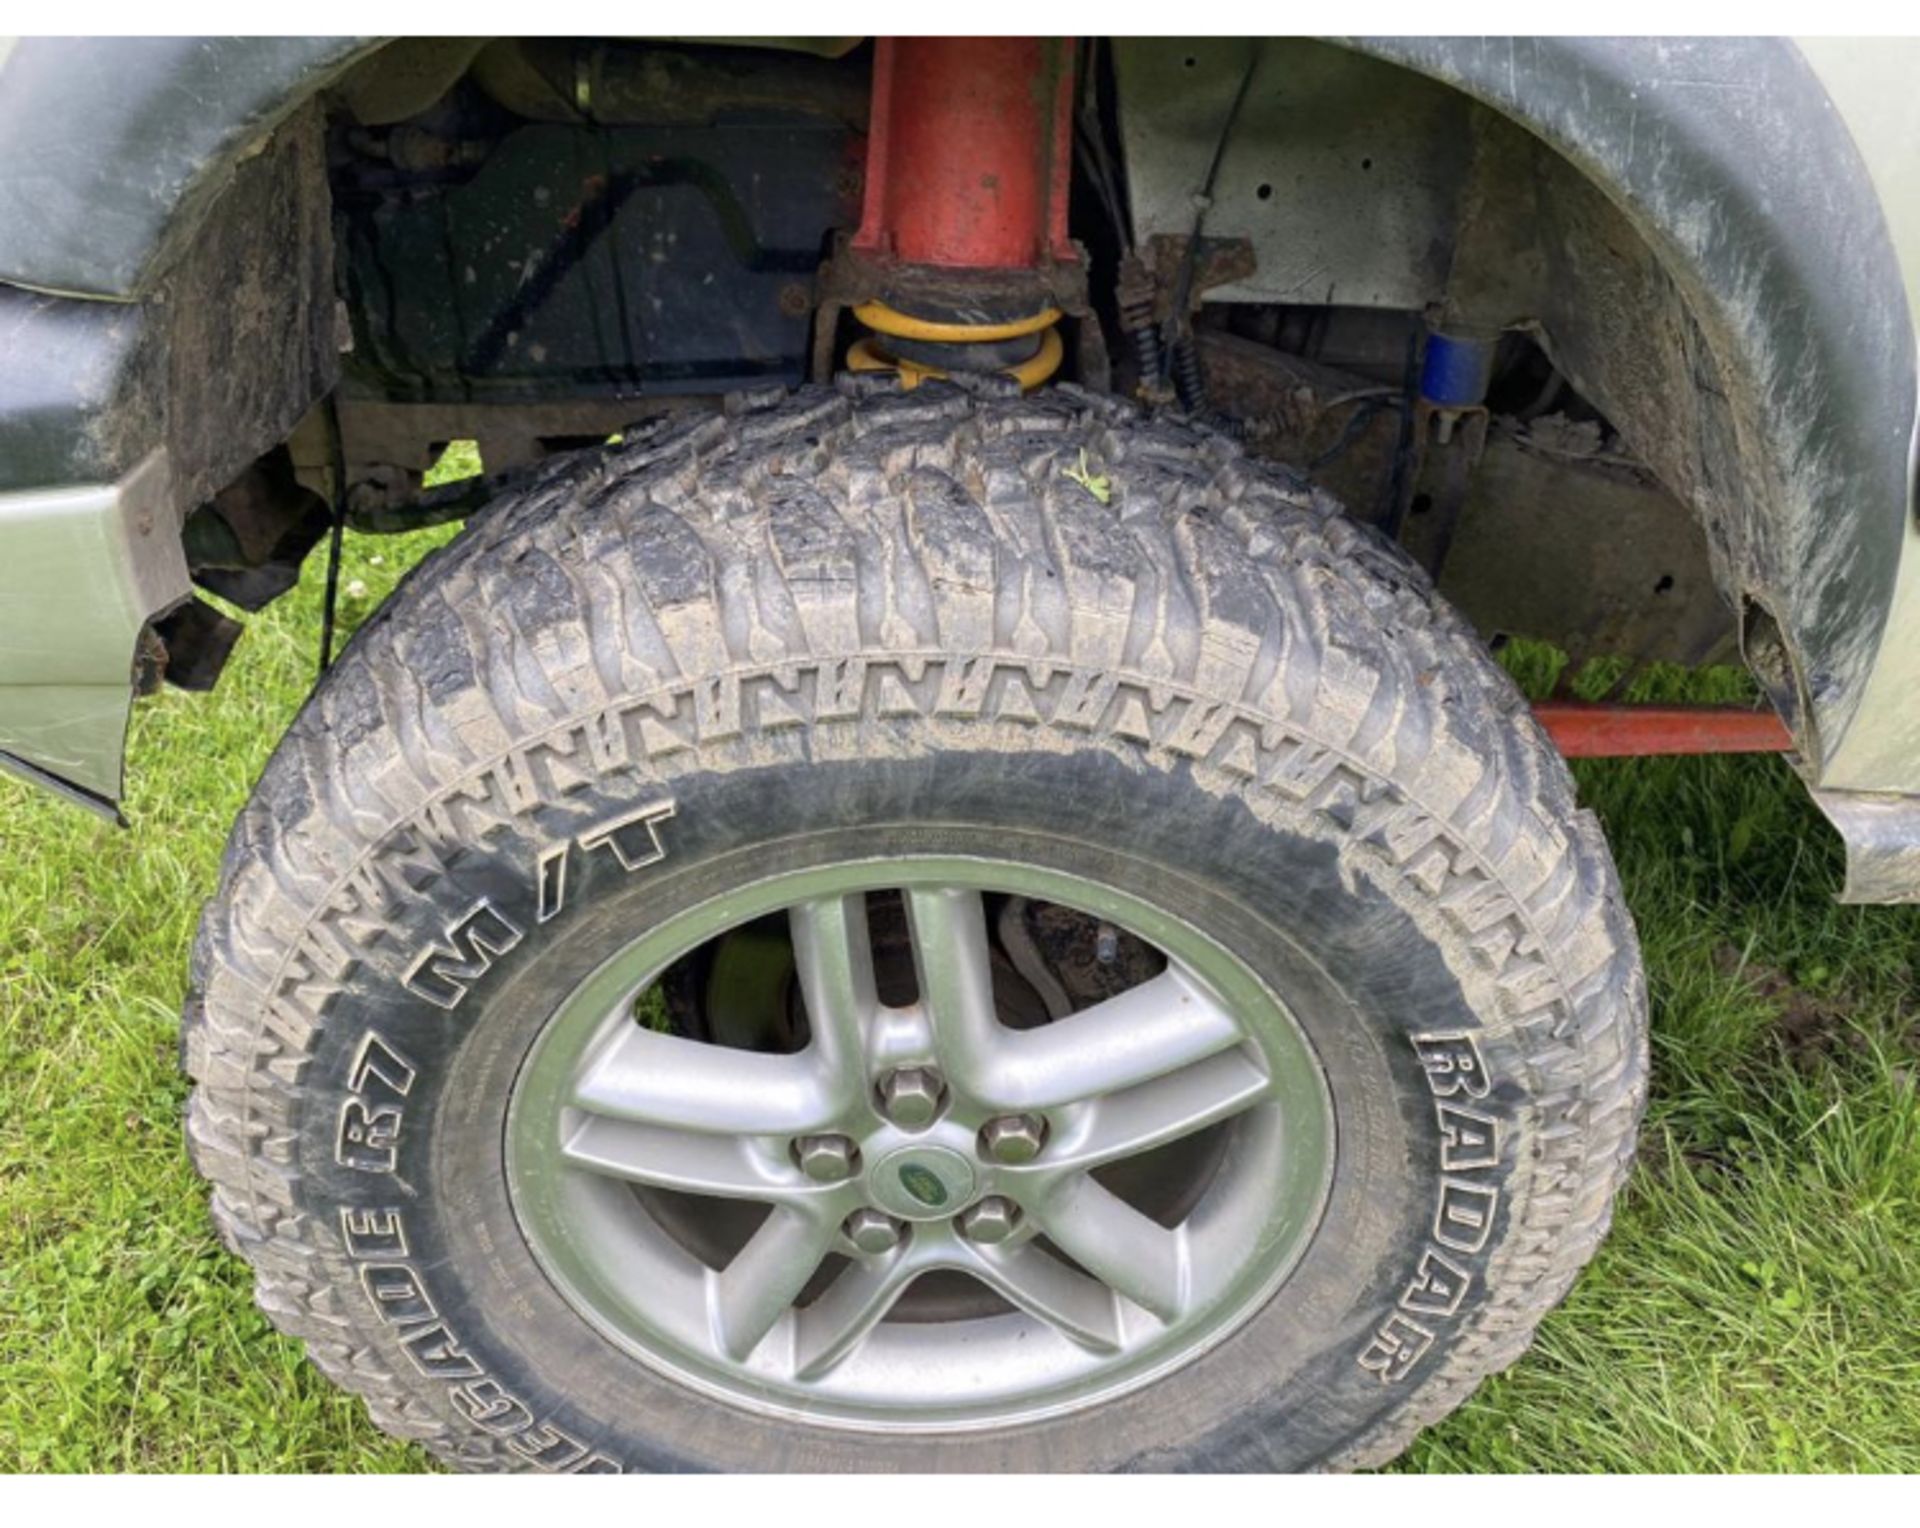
(1729, 159)
(1726, 157)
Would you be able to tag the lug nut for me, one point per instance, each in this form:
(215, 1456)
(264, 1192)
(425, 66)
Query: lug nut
(872, 1232)
(911, 1096)
(991, 1220)
(824, 1158)
(1013, 1138)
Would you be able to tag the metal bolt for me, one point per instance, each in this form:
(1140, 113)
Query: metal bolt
(1013, 1138)
(911, 1096)
(872, 1231)
(991, 1220)
(825, 1158)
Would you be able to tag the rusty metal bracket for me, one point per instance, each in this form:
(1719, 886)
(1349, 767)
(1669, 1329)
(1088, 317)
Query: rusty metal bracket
(1218, 263)
(1590, 730)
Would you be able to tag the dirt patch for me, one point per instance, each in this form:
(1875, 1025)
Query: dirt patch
(1812, 1030)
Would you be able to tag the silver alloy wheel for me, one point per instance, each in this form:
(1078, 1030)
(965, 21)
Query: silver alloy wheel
(1099, 1297)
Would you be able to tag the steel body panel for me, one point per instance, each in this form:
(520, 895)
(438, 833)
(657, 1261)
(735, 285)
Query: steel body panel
(1871, 84)
(1175, 95)
(84, 569)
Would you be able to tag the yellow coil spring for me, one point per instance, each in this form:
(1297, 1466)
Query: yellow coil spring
(871, 355)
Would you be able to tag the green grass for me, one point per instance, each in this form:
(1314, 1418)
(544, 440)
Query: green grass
(1755, 1309)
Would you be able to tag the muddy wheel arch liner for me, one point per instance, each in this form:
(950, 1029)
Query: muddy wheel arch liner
(1730, 159)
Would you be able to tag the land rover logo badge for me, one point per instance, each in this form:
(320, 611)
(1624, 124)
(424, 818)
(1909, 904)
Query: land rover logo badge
(923, 1185)
(924, 1181)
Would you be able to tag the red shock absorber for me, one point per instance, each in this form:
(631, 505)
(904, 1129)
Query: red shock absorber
(963, 233)
(968, 152)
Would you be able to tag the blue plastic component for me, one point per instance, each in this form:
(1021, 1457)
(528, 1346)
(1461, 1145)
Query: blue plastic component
(1457, 371)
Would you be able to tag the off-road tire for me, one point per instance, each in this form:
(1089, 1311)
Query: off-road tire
(853, 601)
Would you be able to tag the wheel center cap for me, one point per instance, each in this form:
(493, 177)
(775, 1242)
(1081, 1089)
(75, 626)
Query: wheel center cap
(922, 1182)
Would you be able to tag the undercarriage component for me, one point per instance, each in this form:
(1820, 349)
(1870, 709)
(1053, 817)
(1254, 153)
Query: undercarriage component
(1449, 425)
(1593, 731)
(969, 153)
(549, 260)
(1558, 537)
(1134, 298)
(246, 544)
(965, 220)
(1026, 349)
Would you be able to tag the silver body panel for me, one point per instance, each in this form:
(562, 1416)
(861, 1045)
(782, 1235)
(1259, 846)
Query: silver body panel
(82, 572)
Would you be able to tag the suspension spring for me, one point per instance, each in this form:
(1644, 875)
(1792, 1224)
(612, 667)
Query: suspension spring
(1026, 349)
(1134, 298)
(1189, 384)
